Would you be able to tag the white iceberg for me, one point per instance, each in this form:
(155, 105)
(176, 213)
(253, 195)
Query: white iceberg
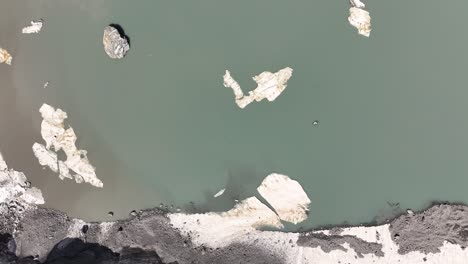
(269, 86)
(286, 196)
(35, 27)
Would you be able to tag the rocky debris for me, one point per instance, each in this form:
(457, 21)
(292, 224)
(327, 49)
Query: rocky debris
(427, 231)
(359, 18)
(153, 234)
(116, 44)
(5, 57)
(335, 242)
(35, 27)
(39, 230)
(286, 196)
(59, 138)
(269, 86)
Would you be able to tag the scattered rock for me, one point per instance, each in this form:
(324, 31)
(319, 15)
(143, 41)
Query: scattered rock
(84, 229)
(335, 242)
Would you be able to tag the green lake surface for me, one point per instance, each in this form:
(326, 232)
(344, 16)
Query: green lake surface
(160, 127)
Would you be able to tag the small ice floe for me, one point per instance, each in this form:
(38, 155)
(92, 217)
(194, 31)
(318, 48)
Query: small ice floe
(219, 193)
(269, 86)
(35, 27)
(410, 212)
(5, 57)
(360, 18)
(46, 84)
(115, 43)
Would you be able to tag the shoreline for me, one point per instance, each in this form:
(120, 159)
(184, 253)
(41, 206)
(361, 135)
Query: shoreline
(37, 238)
(41, 235)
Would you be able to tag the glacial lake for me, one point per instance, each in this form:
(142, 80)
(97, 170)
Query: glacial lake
(160, 127)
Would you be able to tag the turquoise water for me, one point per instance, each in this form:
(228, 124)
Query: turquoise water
(160, 127)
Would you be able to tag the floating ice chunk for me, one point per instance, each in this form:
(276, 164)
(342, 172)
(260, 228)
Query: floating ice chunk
(56, 136)
(286, 196)
(357, 3)
(33, 196)
(219, 193)
(49, 158)
(360, 19)
(115, 44)
(35, 27)
(5, 57)
(269, 86)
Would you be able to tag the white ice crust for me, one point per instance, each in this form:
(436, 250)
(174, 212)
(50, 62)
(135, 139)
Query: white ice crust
(269, 86)
(35, 27)
(14, 186)
(58, 138)
(286, 196)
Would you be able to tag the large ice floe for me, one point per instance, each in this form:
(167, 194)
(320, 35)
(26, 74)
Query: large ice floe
(359, 18)
(5, 57)
(35, 27)
(269, 86)
(286, 196)
(58, 138)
